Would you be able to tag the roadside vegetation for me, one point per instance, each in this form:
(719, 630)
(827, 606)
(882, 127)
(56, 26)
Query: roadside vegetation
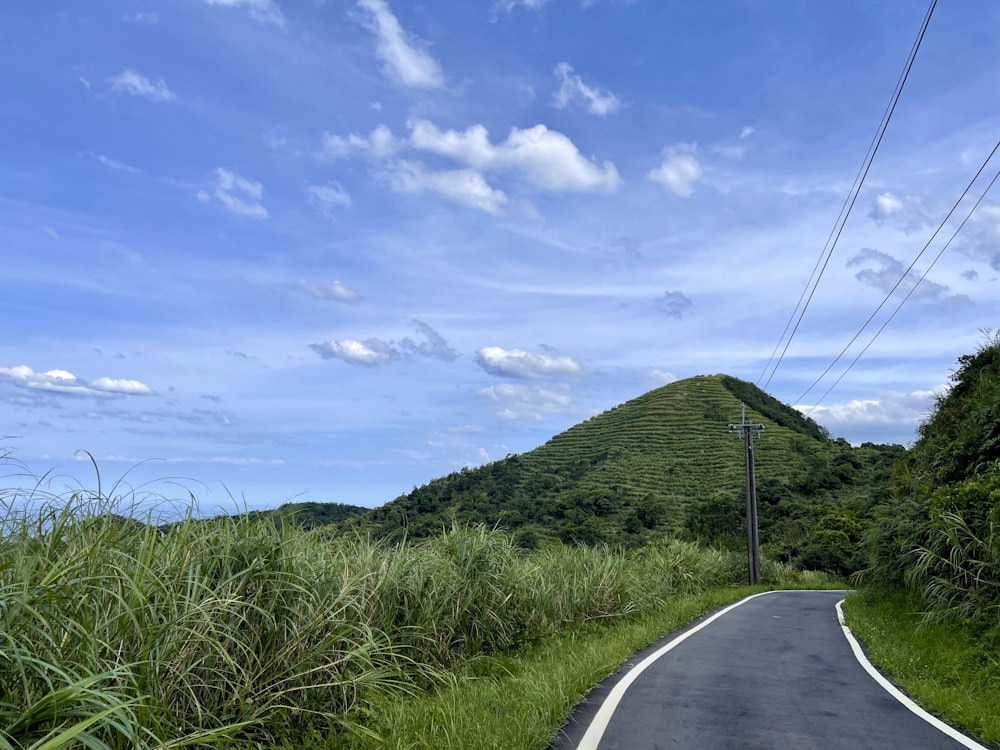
(247, 631)
(931, 610)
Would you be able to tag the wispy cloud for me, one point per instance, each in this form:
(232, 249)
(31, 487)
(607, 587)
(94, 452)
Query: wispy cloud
(63, 382)
(134, 84)
(573, 89)
(466, 187)
(261, 11)
(378, 144)
(113, 163)
(517, 363)
(338, 291)
(884, 272)
(326, 198)
(404, 57)
(522, 402)
(238, 194)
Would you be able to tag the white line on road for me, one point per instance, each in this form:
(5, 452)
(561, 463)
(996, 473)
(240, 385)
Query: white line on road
(897, 693)
(603, 717)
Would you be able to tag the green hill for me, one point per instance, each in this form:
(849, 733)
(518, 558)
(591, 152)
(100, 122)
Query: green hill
(663, 463)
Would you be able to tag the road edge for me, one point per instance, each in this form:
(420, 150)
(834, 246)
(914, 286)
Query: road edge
(898, 694)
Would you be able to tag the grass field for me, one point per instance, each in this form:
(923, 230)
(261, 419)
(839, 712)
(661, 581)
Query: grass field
(246, 632)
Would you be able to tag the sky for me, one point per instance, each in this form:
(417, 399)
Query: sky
(284, 250)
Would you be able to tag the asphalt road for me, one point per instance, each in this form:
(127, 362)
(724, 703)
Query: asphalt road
(774, 672)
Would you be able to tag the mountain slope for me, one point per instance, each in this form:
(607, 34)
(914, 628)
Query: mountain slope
(664, 462)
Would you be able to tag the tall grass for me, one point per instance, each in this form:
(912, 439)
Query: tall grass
(243, 631)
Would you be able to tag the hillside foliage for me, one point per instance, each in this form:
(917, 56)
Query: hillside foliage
(939, 529)
(666, 464)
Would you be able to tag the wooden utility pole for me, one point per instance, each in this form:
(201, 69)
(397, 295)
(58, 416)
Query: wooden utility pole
(749, 430)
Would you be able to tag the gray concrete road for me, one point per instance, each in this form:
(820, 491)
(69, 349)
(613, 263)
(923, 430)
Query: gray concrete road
(773, 672)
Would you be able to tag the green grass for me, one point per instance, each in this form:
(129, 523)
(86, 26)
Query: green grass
(247, 632)
(949, 670)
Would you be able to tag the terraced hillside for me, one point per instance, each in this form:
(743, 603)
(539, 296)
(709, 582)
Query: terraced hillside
(665, 462)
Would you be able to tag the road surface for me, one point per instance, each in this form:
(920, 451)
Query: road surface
(774, 671)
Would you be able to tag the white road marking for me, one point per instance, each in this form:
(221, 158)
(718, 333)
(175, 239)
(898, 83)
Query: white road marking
(602, 718)
(896, 693)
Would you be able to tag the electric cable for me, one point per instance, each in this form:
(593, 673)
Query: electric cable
(849, 202)
(905, 273)
(908, 294)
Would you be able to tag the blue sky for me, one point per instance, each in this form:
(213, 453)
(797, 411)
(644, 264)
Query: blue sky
(294, 249)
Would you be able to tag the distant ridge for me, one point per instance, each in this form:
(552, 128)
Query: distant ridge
(662, 463)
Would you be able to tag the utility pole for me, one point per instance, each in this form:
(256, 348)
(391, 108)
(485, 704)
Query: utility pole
(749, 430)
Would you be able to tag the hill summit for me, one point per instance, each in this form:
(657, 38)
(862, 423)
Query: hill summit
(662, 463)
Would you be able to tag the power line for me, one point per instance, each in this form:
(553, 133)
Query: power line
(912, 290)
(849, 202)
(905, 273)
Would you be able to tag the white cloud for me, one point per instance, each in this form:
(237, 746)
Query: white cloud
(130, 82)
(325, 198)
(466, 187)
(746, 132)
(572, 88)
(509, 5)
(661, 377)
(378, 144)
(679, 171)
(523, 402)
(518, 363)
(545, 158)
(113, 164)
(906, 213)
(261, 11)
(61, 381)
(337, 291)
(238, 194)
(890, 408)
(403, 57)
(370, 352)
(140, 18)
(373, 351)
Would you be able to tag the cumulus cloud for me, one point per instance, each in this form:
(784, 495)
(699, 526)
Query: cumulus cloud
(573, 89)
(373, 352)
(746, 132)
(906, 213)
(679, 171)
(261, 11)
(238, 194)
(674, 304)
(404, 57)
(326, 198)
(905, 410)
(466, 187)
(885, 271)
(545, 158)
(661, 377)
(378, 144)
(523, 402)
(369, 352)
(134, 84)
(63, 382)
(517, 363)
(337, 291)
